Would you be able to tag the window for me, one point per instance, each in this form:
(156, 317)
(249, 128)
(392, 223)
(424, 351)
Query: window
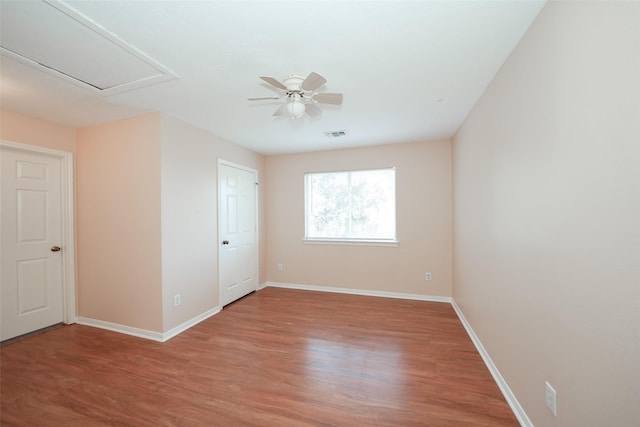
(352, 206)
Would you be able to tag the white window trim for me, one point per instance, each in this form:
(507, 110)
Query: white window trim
(352, 241)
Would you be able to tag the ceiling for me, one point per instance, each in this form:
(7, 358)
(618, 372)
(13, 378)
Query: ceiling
(409, 70)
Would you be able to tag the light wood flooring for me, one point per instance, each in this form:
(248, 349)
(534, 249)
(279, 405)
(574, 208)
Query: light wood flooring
(277, 357)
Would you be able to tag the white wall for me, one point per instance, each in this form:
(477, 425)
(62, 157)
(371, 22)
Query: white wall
(190, 244)
(547, 215)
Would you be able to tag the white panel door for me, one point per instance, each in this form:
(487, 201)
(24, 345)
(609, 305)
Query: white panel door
(31, 292)
(237, 230)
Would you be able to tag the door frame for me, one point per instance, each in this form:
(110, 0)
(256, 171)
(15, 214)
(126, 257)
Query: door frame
(69, 310)
(257, 219)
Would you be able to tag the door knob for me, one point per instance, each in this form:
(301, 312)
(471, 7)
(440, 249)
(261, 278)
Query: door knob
(55, 248)
(225, 242)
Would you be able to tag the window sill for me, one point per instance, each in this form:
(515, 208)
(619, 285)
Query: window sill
(350, 242)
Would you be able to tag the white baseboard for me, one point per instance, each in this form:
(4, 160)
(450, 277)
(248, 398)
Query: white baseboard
(123, 329)
(497, 377)
(143, 333)
(189, 323)
(433, 298)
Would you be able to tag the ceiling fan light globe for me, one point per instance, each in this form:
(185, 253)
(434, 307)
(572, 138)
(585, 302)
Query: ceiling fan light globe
(295, 109)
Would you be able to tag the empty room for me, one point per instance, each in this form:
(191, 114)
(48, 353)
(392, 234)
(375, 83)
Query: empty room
(320, 213)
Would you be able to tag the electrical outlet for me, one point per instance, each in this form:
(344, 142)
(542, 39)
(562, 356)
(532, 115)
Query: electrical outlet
(550, 398)
(280, 267)
(176, 300)
(427, 276)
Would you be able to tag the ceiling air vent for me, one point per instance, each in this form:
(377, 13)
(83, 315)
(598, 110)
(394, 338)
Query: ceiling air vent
(335, 133)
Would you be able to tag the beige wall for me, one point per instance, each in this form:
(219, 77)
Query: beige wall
(547, 215)
(146, 215)
(29, 130)
(118, 223)
(147, 223)
(190, 217)
(423, 181)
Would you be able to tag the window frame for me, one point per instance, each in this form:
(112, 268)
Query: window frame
(347, 240)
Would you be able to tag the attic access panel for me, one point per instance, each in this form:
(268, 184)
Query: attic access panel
(54, 38)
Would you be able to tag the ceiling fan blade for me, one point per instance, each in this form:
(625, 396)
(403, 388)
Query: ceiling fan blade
(313, 110)
(328, 98)
(313, 82)
(280, 111)
(273, 82)
(260, 98)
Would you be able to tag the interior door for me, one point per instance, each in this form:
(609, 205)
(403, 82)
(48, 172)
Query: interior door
(31, 292)
(237, 232)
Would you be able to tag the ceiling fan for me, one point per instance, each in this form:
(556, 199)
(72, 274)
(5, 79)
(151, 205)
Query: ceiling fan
(300, 94)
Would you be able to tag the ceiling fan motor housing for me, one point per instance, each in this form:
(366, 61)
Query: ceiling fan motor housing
(293, 83)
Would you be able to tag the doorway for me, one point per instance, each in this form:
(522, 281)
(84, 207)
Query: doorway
(237, 231)
(37, 251)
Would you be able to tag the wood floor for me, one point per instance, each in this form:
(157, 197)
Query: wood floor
(278, 357)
